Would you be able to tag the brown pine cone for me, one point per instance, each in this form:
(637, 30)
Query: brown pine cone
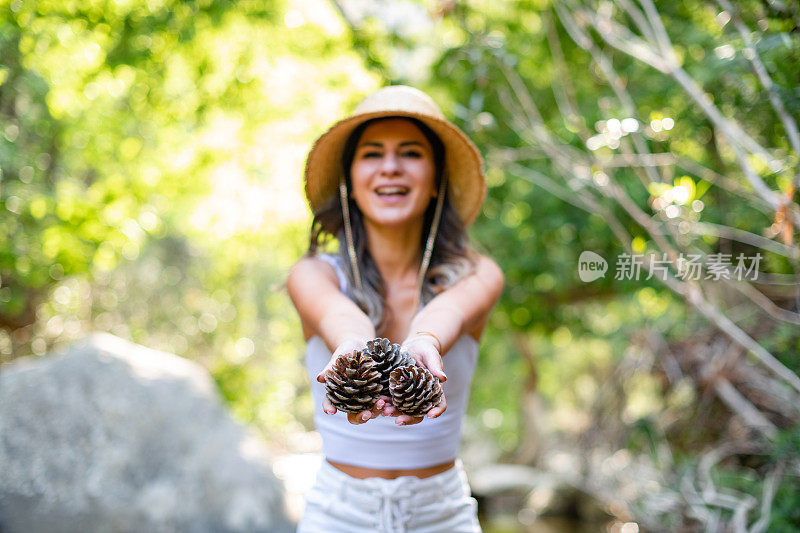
(387, 357)
(414, 390)
(353, 384)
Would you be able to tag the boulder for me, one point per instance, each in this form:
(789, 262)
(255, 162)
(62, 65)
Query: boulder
(113, 436)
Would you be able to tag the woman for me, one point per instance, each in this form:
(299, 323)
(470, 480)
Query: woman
(396, 184)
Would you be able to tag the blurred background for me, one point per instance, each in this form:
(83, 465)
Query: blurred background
(151, 155)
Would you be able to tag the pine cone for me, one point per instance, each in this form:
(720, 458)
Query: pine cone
(414, 390)
(353, 384)
(387, 357)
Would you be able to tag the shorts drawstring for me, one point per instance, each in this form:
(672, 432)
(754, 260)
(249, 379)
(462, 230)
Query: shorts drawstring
(344, 504)
(393, 507)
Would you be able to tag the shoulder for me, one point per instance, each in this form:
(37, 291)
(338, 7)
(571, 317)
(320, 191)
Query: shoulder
(313, 288)
(488, 272)
(480, 286)
(310, 269)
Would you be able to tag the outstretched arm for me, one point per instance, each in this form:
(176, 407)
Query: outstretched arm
(314, 290)
(462, 309)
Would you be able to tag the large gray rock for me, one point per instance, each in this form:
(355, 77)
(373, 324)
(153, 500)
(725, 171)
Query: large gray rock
(112, 436)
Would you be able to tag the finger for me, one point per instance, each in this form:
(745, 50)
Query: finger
(321, 375)
(355, 418)
(406, 420)
(436, 412)
(390, 410)
(434, 364)
(383, 404)
(374, 412)
(328, 407)
(380, 405)
(359, 418)
(438, 409)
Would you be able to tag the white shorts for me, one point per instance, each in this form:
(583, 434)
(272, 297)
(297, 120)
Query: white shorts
(339, 503)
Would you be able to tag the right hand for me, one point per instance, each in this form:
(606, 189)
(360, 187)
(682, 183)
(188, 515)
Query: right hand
(349, 346)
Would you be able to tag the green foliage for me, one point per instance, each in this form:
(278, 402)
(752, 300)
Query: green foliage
(593, 344)
(785, 515)
(150, 163)
(739, 479)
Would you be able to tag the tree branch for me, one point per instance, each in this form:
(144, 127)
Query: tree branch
(789, 123)
(620, 38)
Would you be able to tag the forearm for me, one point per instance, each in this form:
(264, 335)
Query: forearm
(441, 319)
(345, 323)
(462, 308)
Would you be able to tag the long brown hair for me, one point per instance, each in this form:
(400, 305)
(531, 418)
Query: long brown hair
(451, 258)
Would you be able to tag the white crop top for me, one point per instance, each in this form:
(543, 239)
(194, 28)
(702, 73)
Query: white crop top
(380, 443)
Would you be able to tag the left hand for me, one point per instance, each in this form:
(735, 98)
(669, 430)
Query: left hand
(425, 353)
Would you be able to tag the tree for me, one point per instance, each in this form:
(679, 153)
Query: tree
(151, 157)
(671, 131)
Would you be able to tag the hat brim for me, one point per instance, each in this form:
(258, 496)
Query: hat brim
(463, 163)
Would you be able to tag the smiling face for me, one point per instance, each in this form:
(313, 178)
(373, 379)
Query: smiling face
(393, 172)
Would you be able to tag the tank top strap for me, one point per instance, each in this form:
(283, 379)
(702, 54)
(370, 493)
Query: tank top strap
(333, 260)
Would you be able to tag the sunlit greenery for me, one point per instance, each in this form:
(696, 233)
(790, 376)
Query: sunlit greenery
(151, 155)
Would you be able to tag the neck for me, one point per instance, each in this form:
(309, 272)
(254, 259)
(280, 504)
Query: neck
(396, 250)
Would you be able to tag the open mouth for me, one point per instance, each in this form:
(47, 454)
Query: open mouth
(392, 191)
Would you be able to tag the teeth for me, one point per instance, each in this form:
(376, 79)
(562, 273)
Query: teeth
(391, 190)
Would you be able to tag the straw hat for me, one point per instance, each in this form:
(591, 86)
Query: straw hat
(463, 162)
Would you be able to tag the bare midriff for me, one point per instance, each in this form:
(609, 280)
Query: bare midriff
(362, 473)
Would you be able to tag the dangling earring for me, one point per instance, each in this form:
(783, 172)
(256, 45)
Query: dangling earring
(348, 233)
(426, 257)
